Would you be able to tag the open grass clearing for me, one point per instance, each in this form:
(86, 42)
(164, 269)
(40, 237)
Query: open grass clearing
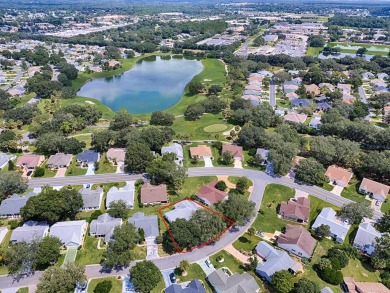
(106, 111)
(194, 272)
(215, 128)
(105, 166)
(351, 192)
(246, 243)
(116, 284)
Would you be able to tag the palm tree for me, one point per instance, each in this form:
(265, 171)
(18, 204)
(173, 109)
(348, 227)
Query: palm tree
(183, 267)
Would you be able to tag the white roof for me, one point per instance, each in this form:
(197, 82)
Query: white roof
(125, 193)
(183, 210)
(70, 233)
(337, 227)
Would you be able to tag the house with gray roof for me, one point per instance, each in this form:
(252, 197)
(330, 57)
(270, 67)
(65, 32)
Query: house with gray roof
(263, 153)
(71, 233)
(315, 123)
(383, 76)
(92, 198)
(59, 160)
(30, 231)
(148, 223)
(125, 193)
(365, 238)
(338, 227)
(176, 149)
(182, 210)
(236, 283)
(252, 93)
(274, 260)
(326, 290)
(195, 286)
(104, 227)
(323, 106)
(4, 158)
(88, 157)
(301, 103)
(10, 207)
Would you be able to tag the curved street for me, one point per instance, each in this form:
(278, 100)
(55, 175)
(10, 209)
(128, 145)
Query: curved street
(259, 179)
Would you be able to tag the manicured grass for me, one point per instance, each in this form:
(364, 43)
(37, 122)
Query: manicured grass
(247, 165)
(213, 73)
(89, 253)
(229, 261)
(351, 193)
(74, 170)
(23, 290)
(24, 99)
(313, 51)
(215, 128)
(196, 130)
(106, 111)
(194, 272)
(372, 49)
(246, 242)
(283, 103)
(116, 284)
(267, 221)
(385, 207)
(159, 288)
(217, 158)
(361, 271)
(316, 205)
(105, 166)
(327, 187)
(87, 138)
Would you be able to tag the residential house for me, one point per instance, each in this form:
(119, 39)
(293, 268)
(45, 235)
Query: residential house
(125, 193)
(29, 161)
(104, 227)
(116, 155)
(326, 85)
(301, 103)
(338, 176)
(263, 153)
(322, 99)
(88, 157)
(236, 283)
(326, 290)
(3, 233)
(312, 89)
(295, 210)
(4, 159)
(367, 75)
(92, 198)
(374, 189)
(323, 106)
(383, 76)
(270, 38)
(59, 160)
(10, 207)
(295, 117)
(297, 240)
(290, 88)
(30, 231)
(176, 149)
(183, 210)
(338, 227)
(264, 73)
(71, 233)
(349, 285)
(315, 123)
(211, 195)
(292, 96)
(148, 223)
(274, 261)
(252, 92)
(348, 99)
(235, 150)
(200, 151)
(255, 100)
(254, 87)
(154, 194)
(195, 286)
(345, 88)
(366, 236)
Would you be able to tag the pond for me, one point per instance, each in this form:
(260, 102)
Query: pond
(342, 55)
(153, 84)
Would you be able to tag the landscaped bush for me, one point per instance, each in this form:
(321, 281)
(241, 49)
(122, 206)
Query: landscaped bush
(13, 224)
(95, 215)
(335, 263)
(103, 287)
(221, 185)
(331, 276)
(339, 255)
(39, 172)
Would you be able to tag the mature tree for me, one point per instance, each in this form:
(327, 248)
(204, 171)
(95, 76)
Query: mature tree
(145, 276)
(6, 101)
(316, 41)
(306, 286)
(384, 223)
(250, 136)
(227, 158)
(118, 209)
(156, 137)
(221, 185)
(253, 262)
(242, 184)
(48, 251)
(186, 233)
(122, 120)
(214, 89)
(340, 255)
(138, 157)
(282, 281)
(23, 114)
(10, 183)
(103, 287)
(20, 258)
(194, 111)
(361, 51)
(118, 252)
(183, 266)
(195, 87)
(380, 259)
(356, 211)
(215, 224)
(69, 70)
(213, 104)
(102, 140)
(52, 205)
(311, 171)
(51, 143)
(161, 118)
(322, 231)
(61, 279)
(237, 208)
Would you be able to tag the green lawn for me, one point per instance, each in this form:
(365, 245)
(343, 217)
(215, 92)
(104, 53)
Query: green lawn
(74, 170)
(23, 290)
(372, 49)
(194, 272)
(246, 242)
(267, 221)
(187, 158)
(313, 51)
(197, 130)
(116, 284)
(217, 158)
(105, 166)
(385, 207)
(106, 111)
(316, 205)
(247, 165)
(351, 192)
(89, 253)
(229, 261)
(283, 103)
(361, 271)
(87, 138)
(159, 288)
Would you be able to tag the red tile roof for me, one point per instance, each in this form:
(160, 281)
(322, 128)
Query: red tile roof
(296, 234)
(299, 208)
(235, 150)
(153, 193)
(211, 194)
(201, 151)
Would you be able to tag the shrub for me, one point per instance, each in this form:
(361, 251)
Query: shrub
(39, 172)
(335, 263)
(221, 185)
(13, 224)
(340, 255)
(385, 276)
(159, 239)
(217, 145)
(331, 276)
(95, 215)
(103, 287)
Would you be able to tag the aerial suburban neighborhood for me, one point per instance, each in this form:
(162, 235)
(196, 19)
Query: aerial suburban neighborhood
(194, 147)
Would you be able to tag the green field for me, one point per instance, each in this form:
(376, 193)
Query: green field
(372, 49)
(313, 51)
(107, 112)
(116, 284)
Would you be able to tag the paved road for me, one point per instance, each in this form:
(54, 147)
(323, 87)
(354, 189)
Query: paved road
(272, 94)
(362, 95)
(260, 181)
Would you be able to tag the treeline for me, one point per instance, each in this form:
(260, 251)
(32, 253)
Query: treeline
(360, 21)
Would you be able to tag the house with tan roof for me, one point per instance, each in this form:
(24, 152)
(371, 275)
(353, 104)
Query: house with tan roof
(289, 88)
(295, 117)
(344, 87)
(295, 210)
(297, 240)
(235, 150)
(29, 161)
(374, 189)
(201, 151)
(154, 194)
(312, 89)
(338, 175)
(59, 160)
(326, 85)
(349, 285)
(116, 155)
(292, 95)
(211, 195)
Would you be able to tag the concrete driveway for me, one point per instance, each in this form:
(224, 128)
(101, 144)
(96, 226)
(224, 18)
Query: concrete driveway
(91, 169)
(337, 190)
(151, 249)
(60, 172)
(120, 167)
(237, 164)
(167, 279)
(207, 269)
(208, 162)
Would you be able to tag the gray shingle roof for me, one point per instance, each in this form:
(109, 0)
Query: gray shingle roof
(183, 210)
(4, 158)
(104, 225)
(235, 283)
(11, 206)
(195, 286)
(148, 223)
(91, 198)
(70, 233)
(30, 231)
(366, 235)
(174, 148)
(88, 156)
(328, 217)
(126, 194)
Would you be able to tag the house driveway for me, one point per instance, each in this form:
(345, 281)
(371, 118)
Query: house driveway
(120, 167)
(91, 169)
(207, 270)
(151, 249)
(208, 162)
(300, 193)
(60, 172)
(237, 163)
(337, 190)
(167, 279)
